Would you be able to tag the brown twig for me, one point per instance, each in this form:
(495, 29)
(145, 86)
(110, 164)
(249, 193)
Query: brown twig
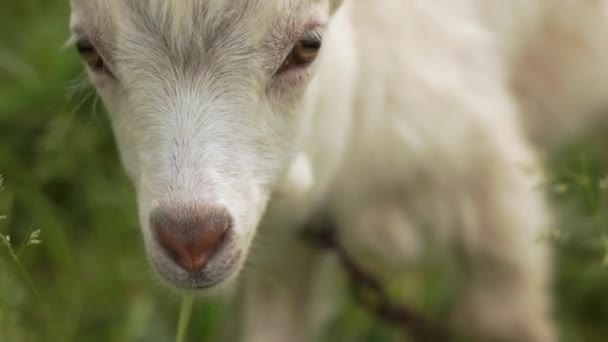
(369, 292)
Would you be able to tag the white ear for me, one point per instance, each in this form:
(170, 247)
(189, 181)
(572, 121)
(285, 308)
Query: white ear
(299, 180)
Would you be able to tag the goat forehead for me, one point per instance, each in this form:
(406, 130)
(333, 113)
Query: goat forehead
(185, 29)
(185, 16)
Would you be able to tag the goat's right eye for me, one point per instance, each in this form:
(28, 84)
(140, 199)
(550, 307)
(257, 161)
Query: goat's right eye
(89, 54)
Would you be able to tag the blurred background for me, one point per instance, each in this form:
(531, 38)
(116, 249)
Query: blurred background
(89, 281)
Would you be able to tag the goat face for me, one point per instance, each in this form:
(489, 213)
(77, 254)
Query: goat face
(203, 98)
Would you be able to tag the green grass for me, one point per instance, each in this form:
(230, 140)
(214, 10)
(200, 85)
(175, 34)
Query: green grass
(63, 176)
(184, 318)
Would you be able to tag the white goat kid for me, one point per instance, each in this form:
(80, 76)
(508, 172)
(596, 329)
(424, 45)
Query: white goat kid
(409, 117)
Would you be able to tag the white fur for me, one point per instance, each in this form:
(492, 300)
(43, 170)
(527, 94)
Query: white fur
(417, 118)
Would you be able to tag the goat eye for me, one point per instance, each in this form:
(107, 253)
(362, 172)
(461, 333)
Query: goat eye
(89, 54)
(303, 54)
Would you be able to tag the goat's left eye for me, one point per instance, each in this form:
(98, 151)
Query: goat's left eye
(89, 54)
(303, 54)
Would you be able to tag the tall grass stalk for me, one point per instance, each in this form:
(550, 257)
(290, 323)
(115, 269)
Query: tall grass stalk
(184, 318)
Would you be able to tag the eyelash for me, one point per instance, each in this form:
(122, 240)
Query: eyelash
(313, 35)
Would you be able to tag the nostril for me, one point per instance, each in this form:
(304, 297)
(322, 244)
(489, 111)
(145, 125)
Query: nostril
(190, 237)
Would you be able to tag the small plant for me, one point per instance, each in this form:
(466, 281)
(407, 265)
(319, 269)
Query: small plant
(582, 180)
(32, 240)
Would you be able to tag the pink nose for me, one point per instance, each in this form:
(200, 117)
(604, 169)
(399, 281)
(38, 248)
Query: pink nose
(190, 236)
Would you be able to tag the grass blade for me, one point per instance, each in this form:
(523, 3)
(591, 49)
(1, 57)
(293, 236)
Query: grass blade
(184, 318)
